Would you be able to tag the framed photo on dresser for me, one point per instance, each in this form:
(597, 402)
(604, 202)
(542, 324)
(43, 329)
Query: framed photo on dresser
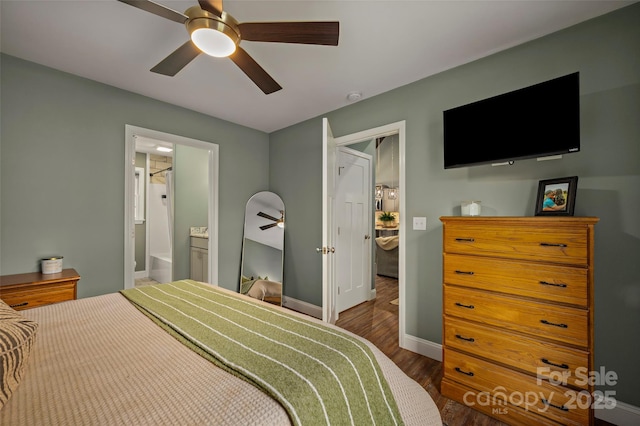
(556, 197)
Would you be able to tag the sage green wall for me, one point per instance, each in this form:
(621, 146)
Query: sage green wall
(62, 172)
(191, 203)
(295, 158)
(605, 52)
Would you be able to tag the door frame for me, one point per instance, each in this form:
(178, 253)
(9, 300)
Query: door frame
(329, 313)
(369, 213)
(398, 128)
(129, 181)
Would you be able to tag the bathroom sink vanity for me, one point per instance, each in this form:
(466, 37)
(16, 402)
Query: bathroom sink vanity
(199, 255)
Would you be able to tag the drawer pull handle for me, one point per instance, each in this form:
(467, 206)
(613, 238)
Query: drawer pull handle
(465, 306)
(546, 361)
(465, 240)
(553, 284)
(464, 272)
(468, 373)
(17, 305)
(468, 339)
(559, 407)
(553, 245)
(554, 324)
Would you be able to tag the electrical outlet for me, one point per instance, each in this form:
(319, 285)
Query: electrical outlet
(419, 223)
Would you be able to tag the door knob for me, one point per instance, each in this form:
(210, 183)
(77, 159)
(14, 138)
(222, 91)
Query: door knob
(325, 250)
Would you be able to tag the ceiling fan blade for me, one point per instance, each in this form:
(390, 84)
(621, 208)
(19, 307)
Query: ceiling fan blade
(254, 71)
(325, 33)
(266, 216)
(213, 6)
(179, 59)
(265, 227)
(157, 9)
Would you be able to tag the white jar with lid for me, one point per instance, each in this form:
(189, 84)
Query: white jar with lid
(52, 265)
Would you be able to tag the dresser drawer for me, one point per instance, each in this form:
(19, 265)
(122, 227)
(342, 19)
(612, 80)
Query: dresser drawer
(555, 283)
(35, 296)
(525, 353)
(560, 323)
(566, 245)
(559, 403)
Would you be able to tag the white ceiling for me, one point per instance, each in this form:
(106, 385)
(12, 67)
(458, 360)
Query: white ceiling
(150, 146)
(383, 45)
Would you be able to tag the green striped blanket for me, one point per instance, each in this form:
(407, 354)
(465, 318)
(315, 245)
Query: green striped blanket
(318, 374)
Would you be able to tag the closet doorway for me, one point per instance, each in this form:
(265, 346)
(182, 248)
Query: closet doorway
(212, 151)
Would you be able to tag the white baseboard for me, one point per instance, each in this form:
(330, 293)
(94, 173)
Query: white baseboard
(141, 274)
(423, 347)
(372, 294)
(621, 415)
(301, 306)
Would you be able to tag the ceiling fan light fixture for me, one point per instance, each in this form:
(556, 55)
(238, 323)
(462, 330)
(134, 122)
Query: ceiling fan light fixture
(213, 35)
(213, 41)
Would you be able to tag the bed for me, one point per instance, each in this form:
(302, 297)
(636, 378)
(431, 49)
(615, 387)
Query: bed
(101, 360)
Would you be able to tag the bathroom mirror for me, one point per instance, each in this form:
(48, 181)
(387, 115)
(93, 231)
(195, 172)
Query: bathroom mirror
(263, 248)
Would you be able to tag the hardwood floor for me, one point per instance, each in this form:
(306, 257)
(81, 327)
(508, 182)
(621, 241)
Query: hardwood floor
(377, 321)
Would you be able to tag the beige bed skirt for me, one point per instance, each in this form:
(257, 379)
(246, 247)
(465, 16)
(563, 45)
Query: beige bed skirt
(99, 361)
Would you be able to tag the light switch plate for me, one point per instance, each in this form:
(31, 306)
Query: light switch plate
(420, 223)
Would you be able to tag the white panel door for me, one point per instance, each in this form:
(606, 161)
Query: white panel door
(353, 230)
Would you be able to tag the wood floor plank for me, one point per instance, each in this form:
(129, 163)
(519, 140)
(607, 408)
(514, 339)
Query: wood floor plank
(377, 321)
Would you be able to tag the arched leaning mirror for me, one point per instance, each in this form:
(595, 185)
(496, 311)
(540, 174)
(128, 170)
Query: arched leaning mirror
(263, 248)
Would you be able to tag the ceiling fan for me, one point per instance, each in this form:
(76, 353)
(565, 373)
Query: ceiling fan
(277, 222)
(216, 33)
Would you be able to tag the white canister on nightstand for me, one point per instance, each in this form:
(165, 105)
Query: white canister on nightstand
(52, 265)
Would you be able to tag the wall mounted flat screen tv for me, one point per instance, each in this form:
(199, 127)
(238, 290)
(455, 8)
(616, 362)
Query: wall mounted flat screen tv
(536, 121)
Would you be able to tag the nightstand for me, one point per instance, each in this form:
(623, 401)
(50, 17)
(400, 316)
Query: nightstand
(25, 291)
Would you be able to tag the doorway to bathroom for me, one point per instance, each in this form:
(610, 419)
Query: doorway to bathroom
(153, 211)
(180, 194)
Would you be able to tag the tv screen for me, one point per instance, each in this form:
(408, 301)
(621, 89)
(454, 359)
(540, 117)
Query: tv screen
(536, 121)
